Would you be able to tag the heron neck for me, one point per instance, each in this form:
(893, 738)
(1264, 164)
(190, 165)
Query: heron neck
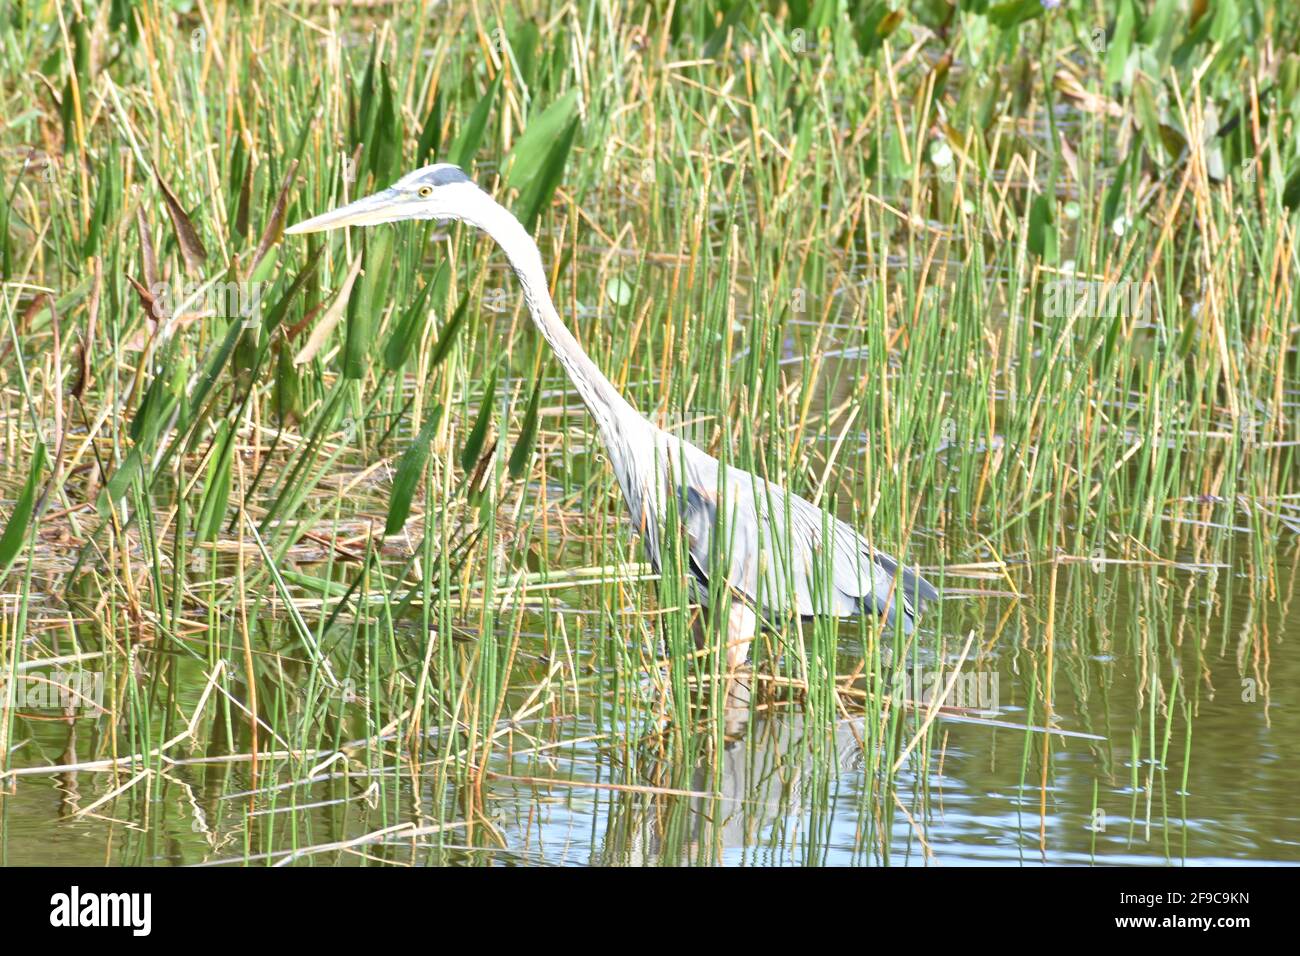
(598, 392)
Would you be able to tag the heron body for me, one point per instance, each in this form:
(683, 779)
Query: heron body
(782, 555)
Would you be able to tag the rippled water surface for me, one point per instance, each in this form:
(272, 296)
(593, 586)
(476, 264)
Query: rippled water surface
(1174, 670)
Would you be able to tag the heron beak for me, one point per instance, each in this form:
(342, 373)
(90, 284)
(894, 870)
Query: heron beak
(384, 206)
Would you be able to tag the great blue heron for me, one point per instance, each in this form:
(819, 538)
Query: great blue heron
(776, 542)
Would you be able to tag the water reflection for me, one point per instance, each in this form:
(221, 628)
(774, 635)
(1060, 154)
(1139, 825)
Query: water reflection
(765, 790)
(1159, 663)
(1178, 668)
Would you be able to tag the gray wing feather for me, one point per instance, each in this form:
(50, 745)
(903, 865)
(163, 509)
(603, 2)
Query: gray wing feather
(775, 547)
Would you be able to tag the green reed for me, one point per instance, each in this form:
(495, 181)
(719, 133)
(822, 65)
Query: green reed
(820, 254)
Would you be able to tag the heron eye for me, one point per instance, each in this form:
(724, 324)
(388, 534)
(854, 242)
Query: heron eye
(426, 192)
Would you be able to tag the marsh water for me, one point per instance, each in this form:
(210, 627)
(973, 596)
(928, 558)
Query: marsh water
(1173, 678)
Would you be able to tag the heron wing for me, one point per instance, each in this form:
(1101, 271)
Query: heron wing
(773, 547)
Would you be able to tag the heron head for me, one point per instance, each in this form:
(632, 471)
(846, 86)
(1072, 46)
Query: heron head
(440, 191)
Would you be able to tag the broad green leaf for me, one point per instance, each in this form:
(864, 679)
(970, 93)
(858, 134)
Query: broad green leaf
(445, 340)
(533, 148)
(120, 481)
(1291, 191)
(471, 134)
(15, 532)
(367, 302)
(478, 434)
(1042, 228)
(1014, 12)
(386, 158)
(524, 42)
(409, 471)
(431, 134)
(1121, 42)
(523, 451)
(1114, 196)
(153, 407)
(274, 229)
(1148, 115)
(537, 195)
(409, 329)
(719, 36)
(875, 25)
(316, 585)
(216, 490)
(362, 124)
